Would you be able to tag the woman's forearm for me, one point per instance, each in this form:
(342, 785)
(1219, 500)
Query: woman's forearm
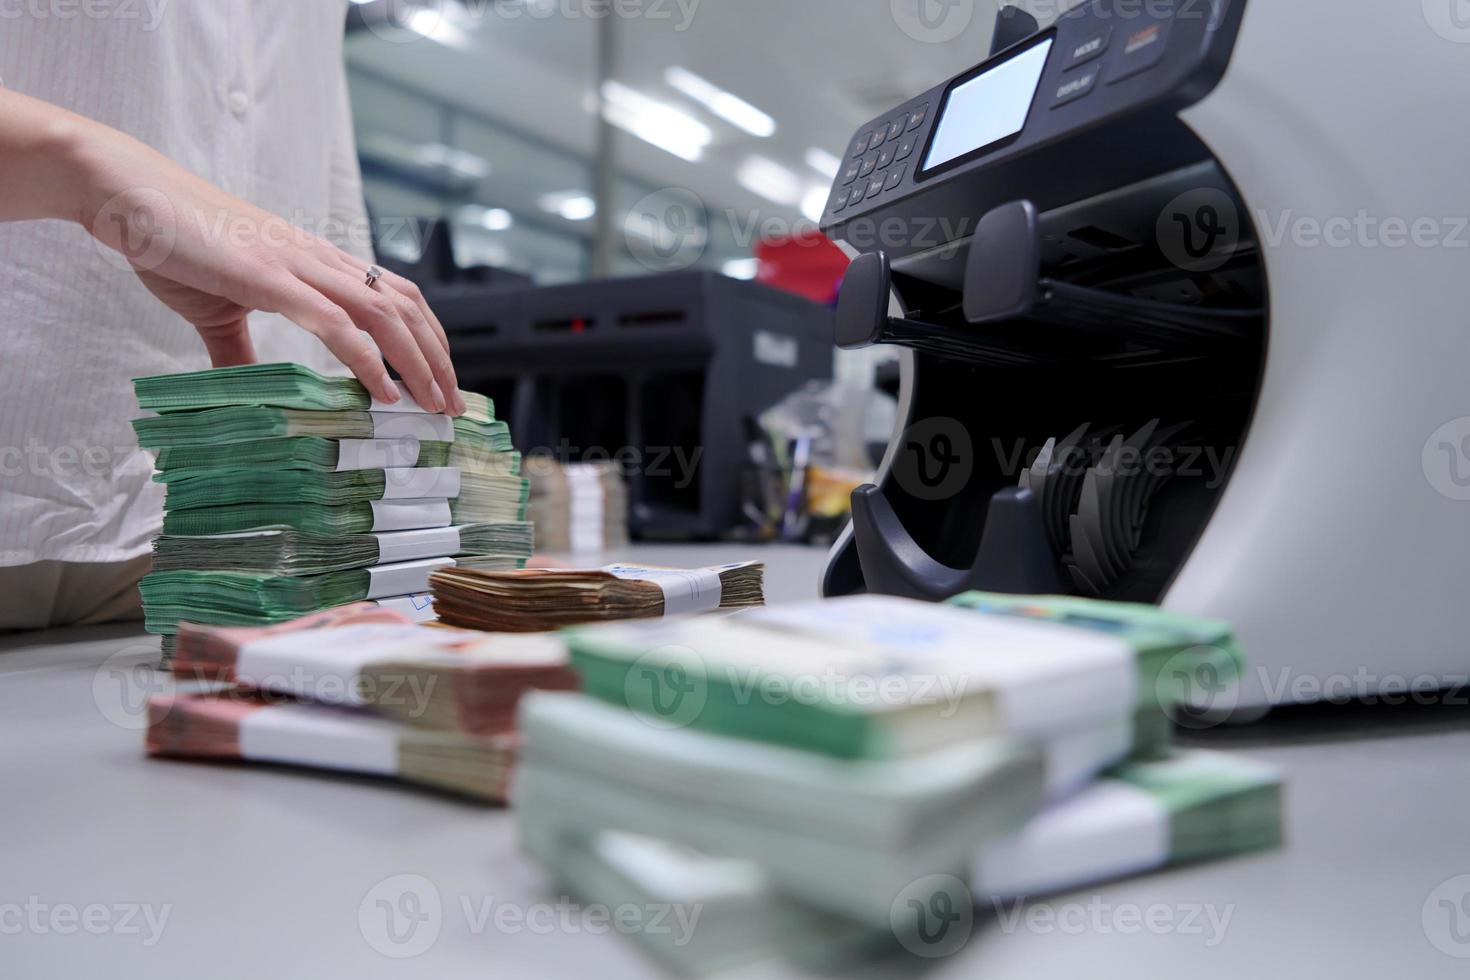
(42, 174)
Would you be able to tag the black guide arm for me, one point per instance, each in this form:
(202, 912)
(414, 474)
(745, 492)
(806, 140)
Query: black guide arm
(1003, 284)
(1014, 556)
(863, 320)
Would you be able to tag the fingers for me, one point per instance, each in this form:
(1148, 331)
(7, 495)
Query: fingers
(429, 331)
(228, 345)
(334, 327)
(400, 331)
(406, 288)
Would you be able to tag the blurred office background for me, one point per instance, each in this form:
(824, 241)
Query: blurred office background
(485, 113)
(561, 142)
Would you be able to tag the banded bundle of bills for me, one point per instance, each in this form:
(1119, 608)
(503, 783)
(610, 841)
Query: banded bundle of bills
(189, 490)
(290, 492)
(536, 599)
(870, 692)
(1193, 806)
(364, 517)
(285, 551)
(279, 385)
(341, 455)
(579, 508)
(223, 426)
(440, 679)
(845, 835)
(234, 725)
(1139, 817)
(257, 598)
(725, 913)
(875, 677)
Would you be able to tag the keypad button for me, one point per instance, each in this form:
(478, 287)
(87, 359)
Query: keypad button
(869, 162)
(1076, 85)
(1142, 49)
(895, 177)
(840, 200)
(860, 146)
(851, 173)
(906, 148)
(917, 117)
(875, 187)
(885, 156)
(877, 139)
(1092, 45)
(895, 129)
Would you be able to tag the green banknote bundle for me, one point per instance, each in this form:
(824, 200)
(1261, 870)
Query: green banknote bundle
(870, 677)
(1192, 806)
(217, 488)
(262, 599)
(1186, 664)
(250, 423)
(333, 519)
(1141, 817)
(725, 914)
(847, 836)
(286, 551)
(278, 385)
(333, 455)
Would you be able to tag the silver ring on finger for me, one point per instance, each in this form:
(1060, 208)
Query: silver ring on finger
(373, 275)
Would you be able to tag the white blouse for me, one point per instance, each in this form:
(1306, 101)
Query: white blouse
(250, 94)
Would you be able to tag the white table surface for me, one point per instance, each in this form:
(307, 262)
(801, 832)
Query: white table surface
(261, 872)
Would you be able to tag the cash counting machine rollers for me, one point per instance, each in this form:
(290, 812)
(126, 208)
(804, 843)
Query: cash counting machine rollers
(1132, 370)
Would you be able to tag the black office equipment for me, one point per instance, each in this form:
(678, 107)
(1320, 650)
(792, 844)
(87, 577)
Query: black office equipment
(1058, 334)
(660, 374)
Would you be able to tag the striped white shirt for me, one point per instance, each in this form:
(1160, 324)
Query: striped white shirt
(250, 94)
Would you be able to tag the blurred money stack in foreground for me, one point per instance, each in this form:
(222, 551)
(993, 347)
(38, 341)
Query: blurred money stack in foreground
(870, 768)
(290, 492)
(356, 689)
(578, 508)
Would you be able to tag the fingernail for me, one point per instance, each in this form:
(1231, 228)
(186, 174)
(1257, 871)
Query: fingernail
(438, 394)
(390, 393)
(459, 403)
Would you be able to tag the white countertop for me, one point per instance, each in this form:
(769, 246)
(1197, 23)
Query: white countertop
(261, 872)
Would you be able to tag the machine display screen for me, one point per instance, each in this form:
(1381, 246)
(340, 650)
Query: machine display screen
(988, 108)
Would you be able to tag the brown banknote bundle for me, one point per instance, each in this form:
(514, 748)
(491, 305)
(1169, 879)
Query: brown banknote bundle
(538, 599)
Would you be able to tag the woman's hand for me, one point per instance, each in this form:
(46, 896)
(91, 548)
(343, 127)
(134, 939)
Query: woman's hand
(213, 258)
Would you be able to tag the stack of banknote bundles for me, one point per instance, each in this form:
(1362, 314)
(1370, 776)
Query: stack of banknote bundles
(578, 508)
(357, 689)
(846, 763)
(289, 492)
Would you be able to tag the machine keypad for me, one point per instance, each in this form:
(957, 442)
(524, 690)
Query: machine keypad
(882, 169)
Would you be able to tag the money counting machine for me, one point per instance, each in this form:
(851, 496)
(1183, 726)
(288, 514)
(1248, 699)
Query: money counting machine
(1167, 336)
